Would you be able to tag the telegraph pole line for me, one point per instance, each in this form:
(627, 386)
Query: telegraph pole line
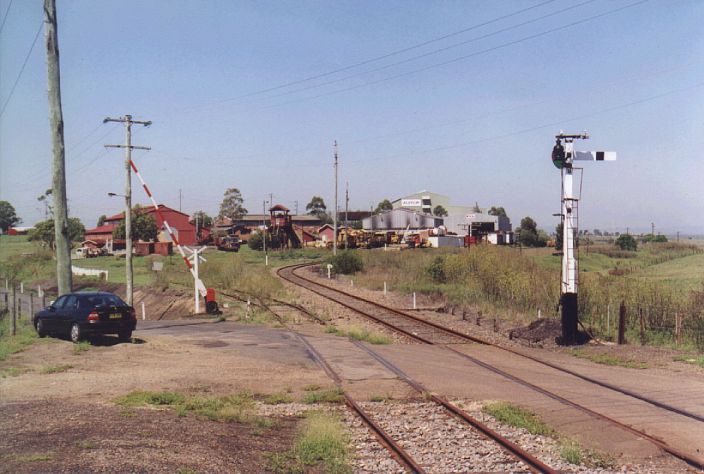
(334, 235)
(56, 121)
(127, 120)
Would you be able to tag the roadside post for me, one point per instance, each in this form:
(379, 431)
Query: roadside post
(14, 311)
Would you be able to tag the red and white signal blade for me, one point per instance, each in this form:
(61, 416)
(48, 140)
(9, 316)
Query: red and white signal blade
(595, 155)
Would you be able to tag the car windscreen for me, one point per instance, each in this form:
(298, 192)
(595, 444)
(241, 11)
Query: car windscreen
(91, 301)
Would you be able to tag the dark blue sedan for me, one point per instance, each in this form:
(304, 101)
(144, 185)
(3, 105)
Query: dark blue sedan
(81, 314)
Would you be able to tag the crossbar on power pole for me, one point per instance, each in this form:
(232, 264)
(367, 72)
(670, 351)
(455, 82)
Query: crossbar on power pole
(127, 120)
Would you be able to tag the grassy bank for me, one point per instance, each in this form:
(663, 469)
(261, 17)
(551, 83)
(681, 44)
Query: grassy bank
(504, 281)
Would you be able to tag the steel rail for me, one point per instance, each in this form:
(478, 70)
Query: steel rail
(398, 453)
(615, 388)
(516, 451)
(691, 460)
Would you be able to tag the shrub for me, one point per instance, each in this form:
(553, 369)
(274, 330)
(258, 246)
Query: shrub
(436, 270)
(347, 262)
(627, 242)
(255, 241)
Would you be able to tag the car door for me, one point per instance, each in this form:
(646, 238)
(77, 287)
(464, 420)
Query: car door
(68, 313)
(51, 317)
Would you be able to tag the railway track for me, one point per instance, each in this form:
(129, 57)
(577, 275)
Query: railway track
(427, 332)
(401, 455)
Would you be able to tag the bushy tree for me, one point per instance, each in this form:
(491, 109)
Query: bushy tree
(203, 219)
(8, 216)
(347, 262)
(43, 232)
(497, 211)
(384, 205)
(232, 205)
(627, 242)
(316, 207)
(439, 211)
(101, 220)
(529, 235)
(143, 227)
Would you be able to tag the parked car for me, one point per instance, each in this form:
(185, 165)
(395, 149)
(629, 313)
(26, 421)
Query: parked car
(81, 314)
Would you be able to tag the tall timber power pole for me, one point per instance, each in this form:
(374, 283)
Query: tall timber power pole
(127, 120)
(56, 122)
(334, 234)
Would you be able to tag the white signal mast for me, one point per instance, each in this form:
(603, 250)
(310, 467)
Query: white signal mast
(563, 155)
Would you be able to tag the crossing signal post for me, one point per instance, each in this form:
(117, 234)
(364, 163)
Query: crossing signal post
(563, 156)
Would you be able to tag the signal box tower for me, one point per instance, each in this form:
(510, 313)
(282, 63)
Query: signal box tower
(563, 155)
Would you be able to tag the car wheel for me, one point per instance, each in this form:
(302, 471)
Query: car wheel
(41, 330)
(125, 336)
(76, 333)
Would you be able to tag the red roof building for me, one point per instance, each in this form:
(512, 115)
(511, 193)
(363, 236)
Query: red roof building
(178, 221)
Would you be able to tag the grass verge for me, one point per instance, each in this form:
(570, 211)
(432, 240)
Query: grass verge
(55, 369)
(232, 408)
(24, 337)
(360, 334)
(81, 347)
(607, 359)
(321, 442)
(690, 359)
(515, 416)
(570, 450)
(325, 396)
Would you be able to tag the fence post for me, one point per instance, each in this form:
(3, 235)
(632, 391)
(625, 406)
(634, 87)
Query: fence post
(6, 298)
(608, 320)
(642, 327)
(14, 310)
(622, 323)
(31, 306)
(414, 300)
(21, 287)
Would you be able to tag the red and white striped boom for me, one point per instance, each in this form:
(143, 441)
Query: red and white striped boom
(199, 283)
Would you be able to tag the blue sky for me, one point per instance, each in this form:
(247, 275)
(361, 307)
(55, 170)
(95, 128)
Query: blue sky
(472, 115)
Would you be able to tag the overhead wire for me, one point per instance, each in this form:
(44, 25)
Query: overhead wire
(437, 51)
(383, 56)
(26, 58)
(464, 57)
(4, 18)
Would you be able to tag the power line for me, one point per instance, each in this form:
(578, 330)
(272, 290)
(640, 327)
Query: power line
(436, 51)
(545, 125)
(26, 58)
(462, 58)
(4, 18)
(383, 56)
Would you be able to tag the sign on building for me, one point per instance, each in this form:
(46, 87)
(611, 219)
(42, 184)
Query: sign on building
(410, 203)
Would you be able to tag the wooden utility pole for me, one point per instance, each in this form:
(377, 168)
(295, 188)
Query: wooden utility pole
(56, 123)
(347, 203)
(127, 120)
(334, 234)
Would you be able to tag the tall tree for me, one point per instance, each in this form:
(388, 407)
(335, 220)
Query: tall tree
(143, 227)
(497, 211)
(232, 205)
(101, 220)
(48, 206)
(203, 219)
(384, 205)
(529, 234)
(43, 232)
(439, 211)
(316, 206)
(8, 216)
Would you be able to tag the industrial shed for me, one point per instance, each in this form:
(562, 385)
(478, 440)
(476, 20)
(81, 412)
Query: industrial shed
(400, 219)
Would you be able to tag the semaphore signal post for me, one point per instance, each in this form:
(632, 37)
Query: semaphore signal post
(563, 156)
